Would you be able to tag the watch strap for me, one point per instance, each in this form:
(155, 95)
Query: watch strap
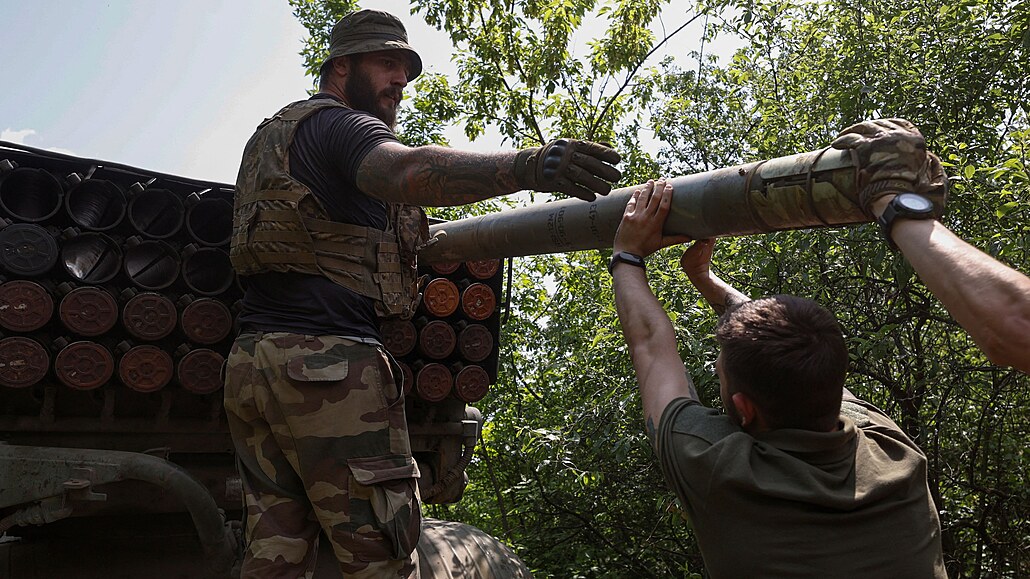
(886, 222)
(625, 257)
(892, 212)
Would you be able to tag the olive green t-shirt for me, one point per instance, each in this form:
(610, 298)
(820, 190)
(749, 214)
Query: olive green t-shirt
(798, 503)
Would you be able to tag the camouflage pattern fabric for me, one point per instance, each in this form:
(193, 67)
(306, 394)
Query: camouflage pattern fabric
(892, 157)
(320, 432)
(371, 30)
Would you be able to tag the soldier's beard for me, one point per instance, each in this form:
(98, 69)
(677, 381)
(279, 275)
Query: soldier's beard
(361, 96)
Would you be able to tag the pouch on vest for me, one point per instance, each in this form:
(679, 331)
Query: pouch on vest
(279, 226)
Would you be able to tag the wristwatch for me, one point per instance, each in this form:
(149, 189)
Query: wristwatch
(625, 257)
(904, 206)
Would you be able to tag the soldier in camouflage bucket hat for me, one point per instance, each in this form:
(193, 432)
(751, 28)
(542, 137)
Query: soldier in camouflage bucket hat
(327, 221)
(369, 31)
(315, 411)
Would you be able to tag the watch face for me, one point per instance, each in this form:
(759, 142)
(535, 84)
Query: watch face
(625, 257)
(631, 258)
(914, 203)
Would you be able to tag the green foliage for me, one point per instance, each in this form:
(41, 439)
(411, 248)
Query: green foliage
(565, 473)
(318, 17)
(516, 71)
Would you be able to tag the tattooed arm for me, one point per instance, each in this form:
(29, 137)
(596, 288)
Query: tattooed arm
(435, 176)
(696, 263)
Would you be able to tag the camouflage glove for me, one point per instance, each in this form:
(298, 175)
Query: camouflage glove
(576, 168)
(892, 159)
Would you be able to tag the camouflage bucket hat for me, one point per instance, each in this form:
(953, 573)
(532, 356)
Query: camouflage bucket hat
(369, 31)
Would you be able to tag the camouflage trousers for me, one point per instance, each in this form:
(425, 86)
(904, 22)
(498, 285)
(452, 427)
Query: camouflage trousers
(322, 441)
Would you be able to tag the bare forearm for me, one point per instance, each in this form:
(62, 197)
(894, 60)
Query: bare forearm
(719, 294)
(652, 345)
(435, 176)
(646, 326)
(644, 321)
(696, 263)
(987, 298)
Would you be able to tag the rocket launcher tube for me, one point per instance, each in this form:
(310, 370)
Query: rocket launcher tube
(813, 189)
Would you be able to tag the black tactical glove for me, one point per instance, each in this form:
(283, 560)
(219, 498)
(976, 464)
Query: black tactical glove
(576, 168)
(892, 159)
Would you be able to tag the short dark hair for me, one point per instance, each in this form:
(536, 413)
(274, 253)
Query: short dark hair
(323, 74)
(788, 354)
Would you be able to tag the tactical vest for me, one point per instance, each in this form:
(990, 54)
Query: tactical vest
(280, 226)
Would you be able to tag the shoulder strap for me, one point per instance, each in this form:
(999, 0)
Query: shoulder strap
(300, 110)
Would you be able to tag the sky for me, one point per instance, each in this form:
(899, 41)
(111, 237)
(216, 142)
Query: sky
(174, 86)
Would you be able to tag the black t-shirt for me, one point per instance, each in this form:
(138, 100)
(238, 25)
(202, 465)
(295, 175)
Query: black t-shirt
(327, 149)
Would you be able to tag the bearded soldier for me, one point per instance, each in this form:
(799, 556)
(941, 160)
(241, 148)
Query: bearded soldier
(327, 222)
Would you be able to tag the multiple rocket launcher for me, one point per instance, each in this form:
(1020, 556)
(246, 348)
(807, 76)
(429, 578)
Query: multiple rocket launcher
(120, 269)
(137, 278)
(117, 311)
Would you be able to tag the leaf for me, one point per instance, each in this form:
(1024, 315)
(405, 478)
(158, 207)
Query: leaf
(1006, 208)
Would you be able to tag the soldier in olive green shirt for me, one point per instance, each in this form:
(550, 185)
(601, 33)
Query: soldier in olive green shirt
(845, 503)
(798, 478)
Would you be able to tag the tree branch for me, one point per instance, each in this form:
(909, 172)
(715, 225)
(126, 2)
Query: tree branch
(629, 77)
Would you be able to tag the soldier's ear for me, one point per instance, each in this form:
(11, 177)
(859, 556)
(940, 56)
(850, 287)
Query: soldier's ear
(341, 66)
(746, 409)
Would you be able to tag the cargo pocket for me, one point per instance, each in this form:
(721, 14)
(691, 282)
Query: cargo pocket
(386, 487)
(317, 368)
(321, 378)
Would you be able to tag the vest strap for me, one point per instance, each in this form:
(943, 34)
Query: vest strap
(281, 235)
(246, 198)
(328, 248)
(285, 257)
